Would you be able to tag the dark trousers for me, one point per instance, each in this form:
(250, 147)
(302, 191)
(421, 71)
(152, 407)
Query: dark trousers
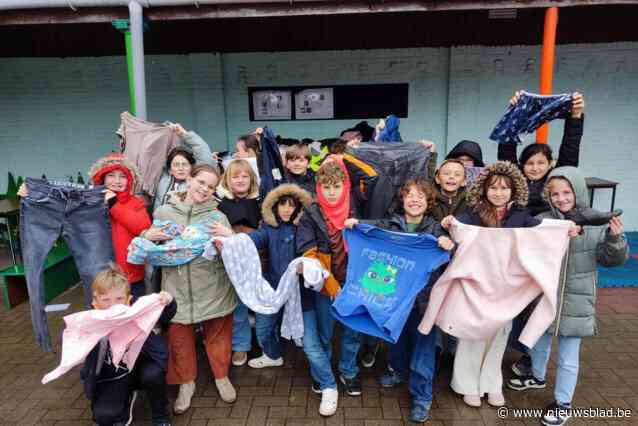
(111, 403)
(413, 356)
(82, 218)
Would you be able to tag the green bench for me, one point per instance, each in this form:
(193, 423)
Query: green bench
(60, 274)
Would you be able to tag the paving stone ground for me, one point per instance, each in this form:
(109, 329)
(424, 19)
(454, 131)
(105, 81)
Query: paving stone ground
(281, 396)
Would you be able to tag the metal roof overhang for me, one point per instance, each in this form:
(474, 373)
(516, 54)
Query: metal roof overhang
(29, 12)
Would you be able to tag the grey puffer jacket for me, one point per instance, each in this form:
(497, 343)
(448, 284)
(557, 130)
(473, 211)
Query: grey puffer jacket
(576, 311)
(201, 152)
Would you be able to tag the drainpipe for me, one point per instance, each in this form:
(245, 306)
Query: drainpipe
(123, 26)
(547, 63)
(137, 58)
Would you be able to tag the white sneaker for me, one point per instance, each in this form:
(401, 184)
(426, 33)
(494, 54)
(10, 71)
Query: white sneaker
(183, 401)
(226, 390)
(265, 361)
(329, 399)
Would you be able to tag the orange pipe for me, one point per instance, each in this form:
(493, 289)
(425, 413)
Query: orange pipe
(547, 63)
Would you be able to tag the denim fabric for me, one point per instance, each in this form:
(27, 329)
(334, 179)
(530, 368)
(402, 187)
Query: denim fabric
(518, 323)
(317, 338)
(566, 368)
(414, 355)
(528, 114)
(268, 335)
(351, 341)
(82, 218)
(242, 336)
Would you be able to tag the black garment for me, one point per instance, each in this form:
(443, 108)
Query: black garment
(366, 130)
(271, 168)
(515, 217)
(241, 211)
(306, 182)
(111, 403)
(445, 206)
(469, 148)
(393, 164)
(568, 155)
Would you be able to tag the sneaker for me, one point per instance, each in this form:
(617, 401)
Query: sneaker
(522, 383)
(419, 414)
(329, 399)
(523, 367)
(556, 414)
(370, 355)
(495, 399)
(390, 379)
(239, 358)
(472, 400)
(265, 361)
(353, 386)
(226, 390)
(183, 401)
(316, 387)
(131, 406)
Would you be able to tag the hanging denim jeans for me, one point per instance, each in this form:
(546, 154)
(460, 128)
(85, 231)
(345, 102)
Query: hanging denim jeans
(81, 217)
(528, 114)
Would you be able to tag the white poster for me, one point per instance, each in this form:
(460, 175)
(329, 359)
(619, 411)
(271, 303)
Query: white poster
(272, 105)
(314, 103)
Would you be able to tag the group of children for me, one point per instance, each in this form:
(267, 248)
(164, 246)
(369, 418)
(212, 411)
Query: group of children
(307, 217)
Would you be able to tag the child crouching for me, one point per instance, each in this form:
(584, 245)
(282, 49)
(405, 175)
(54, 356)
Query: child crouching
(112, 389)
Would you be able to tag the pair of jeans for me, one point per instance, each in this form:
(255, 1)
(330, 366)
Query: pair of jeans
(414, 357)
(112, 397)
(566, 368)
(79, 214)
(351, 341)
(242, 335)
(317, 342)
(268, 334)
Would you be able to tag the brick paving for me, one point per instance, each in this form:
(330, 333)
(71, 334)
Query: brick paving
(281, 396)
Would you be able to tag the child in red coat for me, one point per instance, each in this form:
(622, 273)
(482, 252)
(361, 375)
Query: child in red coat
(128, 213)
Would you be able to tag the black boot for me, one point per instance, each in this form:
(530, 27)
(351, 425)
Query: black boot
(590, 217)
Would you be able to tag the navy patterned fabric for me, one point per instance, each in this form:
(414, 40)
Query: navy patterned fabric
(528, 114)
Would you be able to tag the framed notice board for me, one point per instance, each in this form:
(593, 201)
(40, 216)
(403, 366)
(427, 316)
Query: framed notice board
(342, 102)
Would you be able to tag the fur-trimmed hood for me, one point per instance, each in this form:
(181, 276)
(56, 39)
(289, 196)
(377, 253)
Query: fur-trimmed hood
(267, 207)
(114, 161)
(521, 193)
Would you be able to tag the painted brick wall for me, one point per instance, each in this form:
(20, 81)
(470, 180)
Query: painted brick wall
(483, 78)
(57, 115)
(425, 69)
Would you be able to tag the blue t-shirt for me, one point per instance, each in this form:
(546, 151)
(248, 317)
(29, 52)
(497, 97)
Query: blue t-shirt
(386, 271)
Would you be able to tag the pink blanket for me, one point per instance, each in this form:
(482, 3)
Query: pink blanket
(127, 328)
(494, 275)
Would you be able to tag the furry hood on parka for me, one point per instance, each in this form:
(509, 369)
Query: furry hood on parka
(520, 193)
(114, 161)
(268, 207)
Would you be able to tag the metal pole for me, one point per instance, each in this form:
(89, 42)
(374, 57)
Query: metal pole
(137, 50)
(547, 63)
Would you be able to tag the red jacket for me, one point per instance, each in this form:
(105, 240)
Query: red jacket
(128, 219)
